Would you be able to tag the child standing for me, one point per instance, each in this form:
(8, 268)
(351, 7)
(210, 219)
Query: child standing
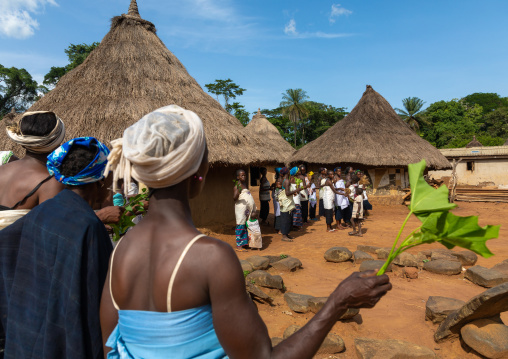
(244, 206)
(322, 180)
(341, 201)
(297, 213)
(255, 238)
(329, 193)
(357, 216)
(312, 198)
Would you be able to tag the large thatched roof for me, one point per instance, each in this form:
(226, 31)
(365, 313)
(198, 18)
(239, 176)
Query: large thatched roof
(130, 74)
(272, 139)
(371, 135)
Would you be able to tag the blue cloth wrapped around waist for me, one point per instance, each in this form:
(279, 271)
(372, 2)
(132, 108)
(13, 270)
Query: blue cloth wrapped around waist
(182, 334)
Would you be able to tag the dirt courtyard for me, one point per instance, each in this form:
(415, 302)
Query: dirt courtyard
(401, 313)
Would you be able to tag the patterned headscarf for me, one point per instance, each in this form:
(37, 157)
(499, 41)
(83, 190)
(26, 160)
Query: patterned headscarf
(293, 171)
(284, 171)
(91, 173)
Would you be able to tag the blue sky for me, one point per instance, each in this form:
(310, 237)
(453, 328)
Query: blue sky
(435, 49)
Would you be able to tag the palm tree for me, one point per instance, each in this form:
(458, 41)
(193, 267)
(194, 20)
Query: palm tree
(413, 106)
(294, 106)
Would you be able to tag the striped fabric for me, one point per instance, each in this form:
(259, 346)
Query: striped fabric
(242, 237)
(297, 216)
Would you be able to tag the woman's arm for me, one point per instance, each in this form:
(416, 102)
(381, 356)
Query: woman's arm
(232, 308)
(288, 191)
(236, 193)
(330, 184)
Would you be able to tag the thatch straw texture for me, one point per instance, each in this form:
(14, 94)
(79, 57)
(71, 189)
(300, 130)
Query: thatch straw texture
(271, 137)
(474, 143)
(130, 74)
(371, 135)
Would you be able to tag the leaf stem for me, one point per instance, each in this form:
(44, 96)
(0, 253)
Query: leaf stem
(390, 258)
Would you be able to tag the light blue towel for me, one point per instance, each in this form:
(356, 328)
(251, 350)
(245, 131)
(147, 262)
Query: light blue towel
(182, 334)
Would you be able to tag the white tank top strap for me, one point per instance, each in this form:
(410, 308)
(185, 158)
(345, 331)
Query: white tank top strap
(175, 271)
(111, 274)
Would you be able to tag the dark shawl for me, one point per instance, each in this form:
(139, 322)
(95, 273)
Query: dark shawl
(53, 265)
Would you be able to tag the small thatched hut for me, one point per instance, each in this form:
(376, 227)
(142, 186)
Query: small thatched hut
(474, 143)
(132, 73)
(374, 138)
(272, 141)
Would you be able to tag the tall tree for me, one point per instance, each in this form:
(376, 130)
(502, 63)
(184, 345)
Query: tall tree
(76, 54)
(17, 89)
(294, 106)
(239, 112)
(412, 106)
(226, 88)
(488, 101)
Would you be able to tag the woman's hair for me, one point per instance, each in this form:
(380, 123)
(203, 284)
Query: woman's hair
(77, 159)
(359, 190)
(348, 168)
(354, 179)
(38, 124)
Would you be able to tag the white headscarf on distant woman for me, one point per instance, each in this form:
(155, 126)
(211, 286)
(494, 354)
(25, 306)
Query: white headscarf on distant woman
(161, 150)
(38, 144)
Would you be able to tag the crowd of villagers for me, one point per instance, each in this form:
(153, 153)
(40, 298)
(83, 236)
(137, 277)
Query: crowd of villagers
(296, 195)
(165, 290)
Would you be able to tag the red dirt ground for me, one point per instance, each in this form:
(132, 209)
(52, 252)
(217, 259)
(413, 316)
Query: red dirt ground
(401, 313)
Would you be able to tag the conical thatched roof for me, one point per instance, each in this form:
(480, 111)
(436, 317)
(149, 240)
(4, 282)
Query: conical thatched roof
(474, 143)
(270, 136)
(130, 74)
(371, 135)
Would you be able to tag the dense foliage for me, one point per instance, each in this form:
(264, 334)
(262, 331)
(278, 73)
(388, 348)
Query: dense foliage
(17, 89)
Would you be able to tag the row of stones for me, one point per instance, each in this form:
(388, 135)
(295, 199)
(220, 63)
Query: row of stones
(367, 348)
(440, 261)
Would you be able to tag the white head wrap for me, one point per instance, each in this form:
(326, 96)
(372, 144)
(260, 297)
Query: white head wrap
(38, 144)
(161, 150)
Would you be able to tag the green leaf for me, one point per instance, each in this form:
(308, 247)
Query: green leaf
(451, 230)
(425, 198)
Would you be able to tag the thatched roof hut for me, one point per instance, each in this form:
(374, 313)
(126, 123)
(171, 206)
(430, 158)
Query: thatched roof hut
(474, 143)
(372, 135)
(130, 74)
(271, 137)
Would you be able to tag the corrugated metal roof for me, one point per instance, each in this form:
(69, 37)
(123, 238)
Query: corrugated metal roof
(475, 151)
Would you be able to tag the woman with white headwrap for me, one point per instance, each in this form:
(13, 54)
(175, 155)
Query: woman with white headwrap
(26, 183)
(173, 292)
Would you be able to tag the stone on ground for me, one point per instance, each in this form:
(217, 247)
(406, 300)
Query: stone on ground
(265, 279)
(246, 266)
(367, 248)
(349, 314)
(382, 253)
(374, 265)
(338, 254)
(485, 277)
(289, 264)
(442, 266)
(256, 293)
(486, 337)
(502, 267)
(406, 260)
(467, 258)
(298, 302)
(331, 345)
(485, 305)
(361, 256)
(276, 341)
(391, 349)
(258, 262)
(410, 272)
(273, 259)
(442, 255)
(438, 308)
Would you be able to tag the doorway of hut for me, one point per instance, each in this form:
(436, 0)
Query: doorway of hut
(255, 176)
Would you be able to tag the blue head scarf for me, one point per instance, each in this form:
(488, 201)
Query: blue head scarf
(293, 171)
(91, 173)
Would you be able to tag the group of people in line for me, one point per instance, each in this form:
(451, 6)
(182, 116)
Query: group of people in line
(295, 200)
(166, 290)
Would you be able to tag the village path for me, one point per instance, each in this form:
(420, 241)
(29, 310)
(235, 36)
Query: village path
(401, 313)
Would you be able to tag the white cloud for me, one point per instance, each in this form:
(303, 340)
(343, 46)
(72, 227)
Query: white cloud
(290, 30)
(16, 17)
(337, 11)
